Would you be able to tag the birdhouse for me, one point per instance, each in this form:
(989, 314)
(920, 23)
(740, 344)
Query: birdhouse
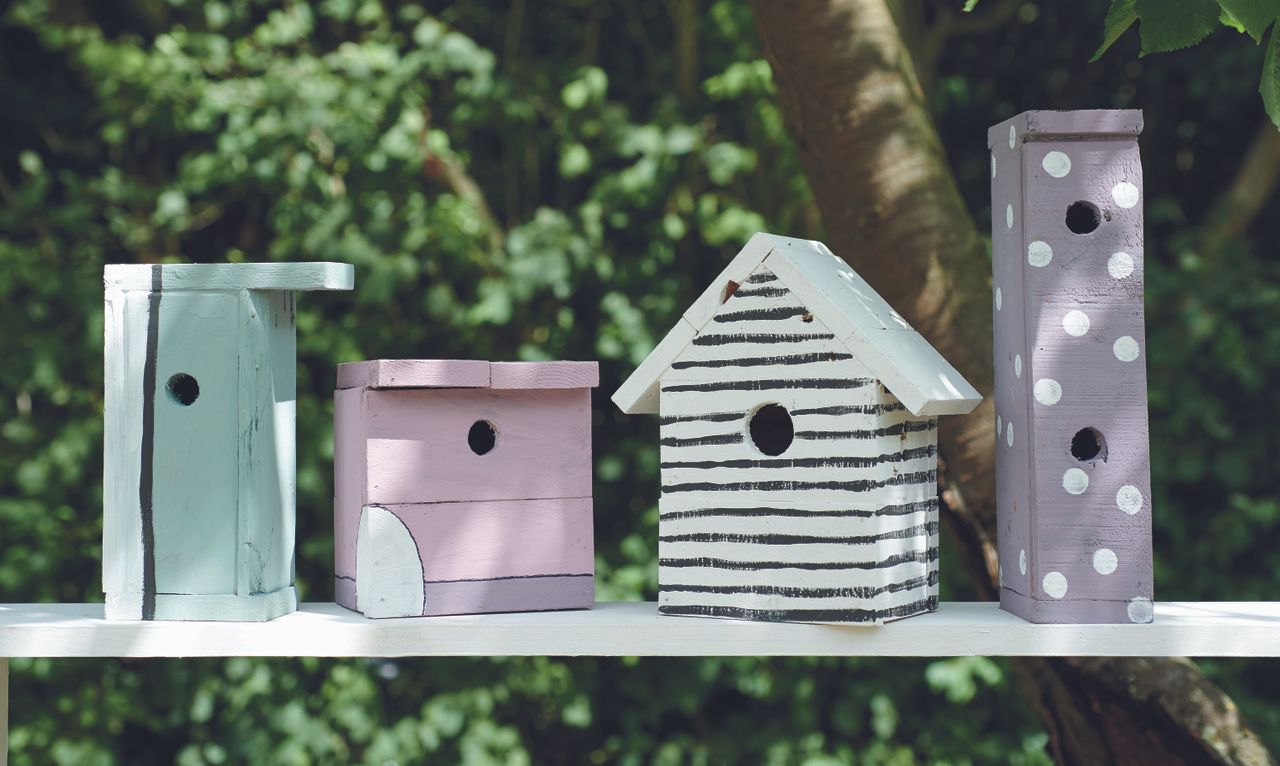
(198, 496)
(463, 487)
(798, 445)
(1072, 461)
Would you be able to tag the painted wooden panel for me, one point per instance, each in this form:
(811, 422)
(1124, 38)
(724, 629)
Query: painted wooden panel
(414, 373)
(199, 438)
(841, 526)
(1073, 503)
(533, 375)
(418, 451)
(196, 481)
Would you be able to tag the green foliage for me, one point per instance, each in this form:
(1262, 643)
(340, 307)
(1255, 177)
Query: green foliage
(1170, 25)
(1122, 15)
(1253, 15)
(1270, 85)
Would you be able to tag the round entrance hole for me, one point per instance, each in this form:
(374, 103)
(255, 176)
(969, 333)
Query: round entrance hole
(482, 437)
(183, 389)
(771, 430)
(1088, 445)
(1083, 217)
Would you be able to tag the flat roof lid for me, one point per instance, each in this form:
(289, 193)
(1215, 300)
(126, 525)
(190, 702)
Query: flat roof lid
(467, 373)
(230, 276)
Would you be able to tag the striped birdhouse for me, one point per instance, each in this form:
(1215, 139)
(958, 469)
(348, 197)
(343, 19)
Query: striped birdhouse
(1073, 466)
(463, 487)
(198, 495)
(798, 438)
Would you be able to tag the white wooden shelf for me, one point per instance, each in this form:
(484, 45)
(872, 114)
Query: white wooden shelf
(1215, 629)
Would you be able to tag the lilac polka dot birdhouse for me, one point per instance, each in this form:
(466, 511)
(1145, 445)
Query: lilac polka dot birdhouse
(463, 486)
(1072, 458)
(798, 437)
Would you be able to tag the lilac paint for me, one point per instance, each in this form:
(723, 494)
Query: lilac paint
(1066, 299)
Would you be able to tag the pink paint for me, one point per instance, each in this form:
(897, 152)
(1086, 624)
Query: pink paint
(414, 373)
(483, 540)
(520, 509)
(544, 375)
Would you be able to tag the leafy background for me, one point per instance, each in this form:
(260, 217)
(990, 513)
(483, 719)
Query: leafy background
(554, 180)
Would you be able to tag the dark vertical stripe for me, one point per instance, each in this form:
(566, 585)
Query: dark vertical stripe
(145, 483)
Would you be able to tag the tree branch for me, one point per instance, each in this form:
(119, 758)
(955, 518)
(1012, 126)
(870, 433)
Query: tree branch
(1254, 183)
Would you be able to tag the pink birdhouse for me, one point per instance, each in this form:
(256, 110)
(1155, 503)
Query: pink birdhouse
(463, 487)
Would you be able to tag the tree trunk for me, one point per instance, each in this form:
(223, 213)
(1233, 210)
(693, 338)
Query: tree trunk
(890, 205)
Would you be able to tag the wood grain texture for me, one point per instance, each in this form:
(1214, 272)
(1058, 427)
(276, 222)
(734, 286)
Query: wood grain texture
(418, 452)
(865, 326)
(841, 526)
(534, 375)
(414, 373)
(1202, 629)
(1075, 542)
(199, 451)
(233, 276)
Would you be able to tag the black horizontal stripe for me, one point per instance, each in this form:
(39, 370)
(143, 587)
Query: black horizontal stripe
(700, 441)
(765, 385)
(710, 417)
(757, 361)
(724, 339)
(900, 509)
(761, 292)
(859, 485)
(906, 427)
(929, 604)
(810, 462)
(915, 557)
(855, 409)
(762, 278)
(928, 528)
(748, 315)
(865, 591)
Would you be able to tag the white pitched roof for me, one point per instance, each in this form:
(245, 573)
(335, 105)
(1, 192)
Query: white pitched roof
(868, 327)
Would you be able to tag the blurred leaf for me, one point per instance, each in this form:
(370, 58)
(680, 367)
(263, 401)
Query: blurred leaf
(1120, 16)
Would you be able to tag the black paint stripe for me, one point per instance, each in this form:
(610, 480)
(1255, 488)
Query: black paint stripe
(510, 577)
(929, 528)
(907, 427)
(901, 509)
(860, 485)
(763, 277)
(758, 361)
(724, 339)
(701, 441)
(856, 409)
(809, 462)
(866, 591)
(915, 557)
(804, 615)
(146, 484)
(761, 292)
(710, 417)
(764, 385)
(749, 315)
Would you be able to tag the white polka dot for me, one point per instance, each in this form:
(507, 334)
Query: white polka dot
(1057, 164)
(1125, 194)
(1008, 216)
(1140, 610)
(1013, 136)
(1129, 499)
(1017, 365)
(993, 164)
(1076, 323)
(1075, 481)
(1048, 391)
(1104, 561)
(1055, 584)
(1022, 561)
(1120, 265)
(999, 299)
(1039, 254)
(1008, 433)
(1125, 348)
